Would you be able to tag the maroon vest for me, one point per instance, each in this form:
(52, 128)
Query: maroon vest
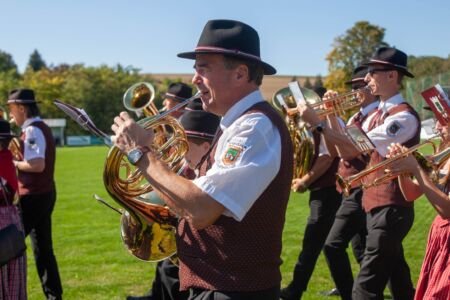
(40, 183)
(388, 193)
(241, 256)
(328, 179)
(353, 166)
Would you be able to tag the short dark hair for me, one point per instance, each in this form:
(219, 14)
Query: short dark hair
(255, 69)
(32, 110)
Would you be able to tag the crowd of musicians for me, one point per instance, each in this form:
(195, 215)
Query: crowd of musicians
(231, 206)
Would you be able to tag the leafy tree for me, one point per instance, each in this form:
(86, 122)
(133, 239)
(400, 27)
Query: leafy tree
(307, 84)
(351, 49)
(318, 82)
(6, 62)
(36, 62)
(428, 65)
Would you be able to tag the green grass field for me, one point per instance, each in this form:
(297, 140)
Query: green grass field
(95, 265)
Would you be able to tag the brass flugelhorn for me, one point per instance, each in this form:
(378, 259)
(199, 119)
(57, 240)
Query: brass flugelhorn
(430, 164)
(139, 98)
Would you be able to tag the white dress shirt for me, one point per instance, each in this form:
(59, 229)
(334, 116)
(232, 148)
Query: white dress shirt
(247, 158)
(34, 143)
(397, 128)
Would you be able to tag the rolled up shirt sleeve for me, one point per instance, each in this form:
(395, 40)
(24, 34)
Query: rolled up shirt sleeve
(397, 128)
(247, 159)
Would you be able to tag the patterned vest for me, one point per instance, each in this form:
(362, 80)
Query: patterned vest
(43, 182)
(241, 256)
(328, 179)
(388, 193)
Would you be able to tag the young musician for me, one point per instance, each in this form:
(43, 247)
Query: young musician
(435, 273)
(253, 143)
(389, 215)
(176, 93)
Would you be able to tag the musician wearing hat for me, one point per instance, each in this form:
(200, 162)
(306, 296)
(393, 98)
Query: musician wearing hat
(350, 221)
(227, 228)
(200, 127)
(13, 274)
(389, 215)
(36, 185)
(176, 93)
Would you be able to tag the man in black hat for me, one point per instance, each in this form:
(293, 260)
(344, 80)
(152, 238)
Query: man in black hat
(36, 186)
(176, 93)
(227, 227)
(389, 215)
(200, 127)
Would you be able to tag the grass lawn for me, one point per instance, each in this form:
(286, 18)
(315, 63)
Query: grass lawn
(95, 265)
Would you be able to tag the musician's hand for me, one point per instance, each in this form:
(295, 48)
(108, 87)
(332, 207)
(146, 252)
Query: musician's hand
(128, 134)
(327, 105)
(299, 185)
(308, 115)
(403, 163)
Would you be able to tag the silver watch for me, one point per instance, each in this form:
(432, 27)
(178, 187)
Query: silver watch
(135, 154)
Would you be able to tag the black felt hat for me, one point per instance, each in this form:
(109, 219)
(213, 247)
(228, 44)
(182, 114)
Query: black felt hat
(358, 74)
(21, 96)
(392, 58)
(178, 91)
(198, 123)
(5, 130)
(230, 38)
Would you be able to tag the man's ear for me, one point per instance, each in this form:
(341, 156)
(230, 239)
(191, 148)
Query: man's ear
(242, 73)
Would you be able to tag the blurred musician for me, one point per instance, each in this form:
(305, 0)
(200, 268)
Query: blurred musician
(176, 93)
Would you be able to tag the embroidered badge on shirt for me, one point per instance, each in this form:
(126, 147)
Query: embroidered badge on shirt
(232, 154)
(393, 129)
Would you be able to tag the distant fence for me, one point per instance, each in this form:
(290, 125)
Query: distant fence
(414, 87)
(83, 140)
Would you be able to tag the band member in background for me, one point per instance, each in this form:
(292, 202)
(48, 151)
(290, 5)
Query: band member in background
(37, 186)
(254, 142)
(435, 273)
(200, 127)
(324, 201)
(176, 93)
(389, 215)
(350, 222)
(13, 275)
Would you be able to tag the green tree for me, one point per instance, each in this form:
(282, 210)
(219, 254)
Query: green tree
(428, 65)
(36, 62)
(318, 82)
(6, 62)
(307, 84)
(351, 49)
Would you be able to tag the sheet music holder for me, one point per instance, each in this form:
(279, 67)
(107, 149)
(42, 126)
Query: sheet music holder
(359, 138)
(438, 101)
(300, 99)
(83, 119)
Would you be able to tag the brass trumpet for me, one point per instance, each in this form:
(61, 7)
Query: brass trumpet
(430, 164)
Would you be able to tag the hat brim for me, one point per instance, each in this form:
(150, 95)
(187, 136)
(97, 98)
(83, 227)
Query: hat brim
(268, 69)
(176, 98)
(7, 136)
(354, 80)
(18, 101)
(396, 67)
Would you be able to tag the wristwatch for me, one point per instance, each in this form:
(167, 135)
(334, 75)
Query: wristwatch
(135, 154)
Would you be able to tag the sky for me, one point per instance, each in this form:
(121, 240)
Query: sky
(295, 36)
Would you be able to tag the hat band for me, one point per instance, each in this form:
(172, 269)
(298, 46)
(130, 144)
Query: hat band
(198, 133)
(20, 101)
(386, 62)
(169, 95)
(227, 51)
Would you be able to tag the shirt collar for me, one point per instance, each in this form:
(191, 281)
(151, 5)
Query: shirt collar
(394, 100)
(29, 121)
(367, 109)
(239, 108)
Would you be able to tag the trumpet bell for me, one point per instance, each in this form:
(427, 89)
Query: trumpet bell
(139, 98)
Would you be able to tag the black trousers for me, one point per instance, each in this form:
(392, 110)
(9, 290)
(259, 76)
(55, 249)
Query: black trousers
(37, 218)
(166, 285)
(383, 259)
(323, 205)
(269, 294)
(349, 225)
